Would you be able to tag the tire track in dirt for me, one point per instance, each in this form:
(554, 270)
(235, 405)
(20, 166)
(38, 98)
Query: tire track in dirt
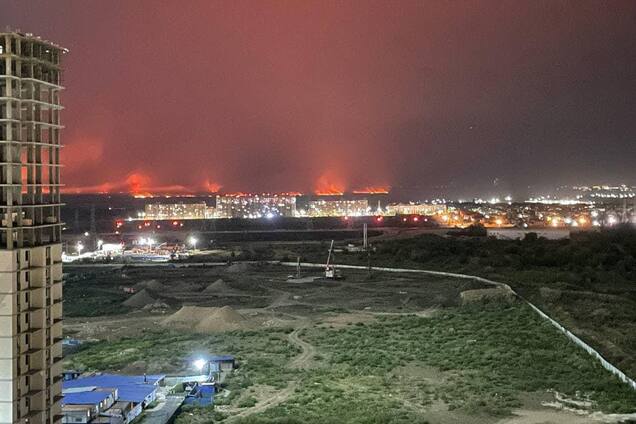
(270, 402)
(302, 361)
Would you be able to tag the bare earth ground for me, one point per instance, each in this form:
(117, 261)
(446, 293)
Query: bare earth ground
(264, 298)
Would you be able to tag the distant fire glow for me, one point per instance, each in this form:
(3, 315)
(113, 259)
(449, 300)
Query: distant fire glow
(329, 184)
(372, 190)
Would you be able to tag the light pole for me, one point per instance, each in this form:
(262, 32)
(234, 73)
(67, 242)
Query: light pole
(193, 241)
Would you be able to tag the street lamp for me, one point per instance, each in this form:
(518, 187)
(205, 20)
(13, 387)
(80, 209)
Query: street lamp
(193, 242)
(199, 364)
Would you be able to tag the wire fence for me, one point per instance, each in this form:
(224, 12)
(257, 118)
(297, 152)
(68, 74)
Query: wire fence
(589, 349)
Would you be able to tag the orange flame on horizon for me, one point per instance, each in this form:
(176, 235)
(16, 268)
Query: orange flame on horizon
(329, 185)
(373, 190)
(211, 186)
(139, 185)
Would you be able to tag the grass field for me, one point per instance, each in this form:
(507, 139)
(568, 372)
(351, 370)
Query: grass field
(477, 361)
(585, 282)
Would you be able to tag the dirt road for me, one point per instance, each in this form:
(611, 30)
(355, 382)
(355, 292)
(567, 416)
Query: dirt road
(302, 361)
(265, 404)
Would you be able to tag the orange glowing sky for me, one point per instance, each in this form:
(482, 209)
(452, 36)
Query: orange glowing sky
(332, 96)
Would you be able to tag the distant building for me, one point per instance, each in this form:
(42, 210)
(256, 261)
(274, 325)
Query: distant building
(255, 205)
(158, 211)
(323, 207)
(416, 209)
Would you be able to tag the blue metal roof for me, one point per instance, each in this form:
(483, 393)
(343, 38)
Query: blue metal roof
(112, 380)
(135, 393)
(130, 388)
(85, 398)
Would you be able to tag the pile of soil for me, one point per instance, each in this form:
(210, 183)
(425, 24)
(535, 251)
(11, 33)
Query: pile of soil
(487, 295)
(223, 319)
(218, 287)
(140, 299)
(206, 320)
(153, 285)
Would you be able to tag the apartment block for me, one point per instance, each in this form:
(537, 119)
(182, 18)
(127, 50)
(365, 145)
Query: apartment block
(30, 230)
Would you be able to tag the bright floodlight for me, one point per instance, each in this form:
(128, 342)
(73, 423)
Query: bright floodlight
(199, 364)
(79, 247)
(86, 234)
(193, 242)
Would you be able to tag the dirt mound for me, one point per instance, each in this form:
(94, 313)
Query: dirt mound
(223, 319)
(238, 267)
(206, 320)
(140, 299)
(187, 316)
(487, 295)
(218, 287)
(153, 285)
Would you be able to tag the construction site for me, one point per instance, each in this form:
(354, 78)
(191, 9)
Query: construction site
(331, 343)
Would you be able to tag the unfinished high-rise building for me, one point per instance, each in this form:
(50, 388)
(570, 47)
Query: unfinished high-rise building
(30, 231)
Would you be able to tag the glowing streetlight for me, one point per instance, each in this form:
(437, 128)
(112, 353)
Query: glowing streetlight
(79, 246)
(199, 364)
(193, 241)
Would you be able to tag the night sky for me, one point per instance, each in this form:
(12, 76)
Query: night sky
(461, 97)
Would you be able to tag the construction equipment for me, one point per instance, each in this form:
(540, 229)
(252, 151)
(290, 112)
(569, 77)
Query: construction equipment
(330, 268)
(365, 237)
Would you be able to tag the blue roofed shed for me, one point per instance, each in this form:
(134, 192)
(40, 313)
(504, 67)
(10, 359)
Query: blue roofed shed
(85, 398)
(136, 389)
(83, 406)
